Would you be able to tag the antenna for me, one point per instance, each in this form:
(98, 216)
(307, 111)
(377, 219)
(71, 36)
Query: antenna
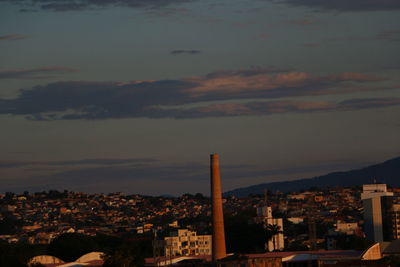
(265, 196)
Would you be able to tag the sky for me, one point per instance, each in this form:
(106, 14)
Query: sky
(133, 95)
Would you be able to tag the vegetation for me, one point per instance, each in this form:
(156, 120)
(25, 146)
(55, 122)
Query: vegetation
(17, 255)
(119, 252)
(353, 242)
(272, 231)
(126, 255)
(69, 247)
(243, 236)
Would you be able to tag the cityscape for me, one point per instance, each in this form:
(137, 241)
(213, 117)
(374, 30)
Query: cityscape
(199, 133)
(321, 226)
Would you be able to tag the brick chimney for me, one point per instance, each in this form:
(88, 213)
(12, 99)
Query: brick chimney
(218, 231)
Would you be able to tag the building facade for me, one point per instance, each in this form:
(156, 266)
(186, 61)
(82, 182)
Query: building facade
(391, 219)
(377, 202)
(264, 215)
(184, 242)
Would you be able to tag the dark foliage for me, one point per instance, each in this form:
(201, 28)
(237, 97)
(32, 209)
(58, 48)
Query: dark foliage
(125, 255)
(9, 226)
(242, 236)
(17, 255)
(69, 247)
(124, 251)
(353, 242)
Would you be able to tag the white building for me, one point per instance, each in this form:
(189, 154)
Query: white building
(341, 228)
(373, 209)
(374, 190)
(264, 215)
(346, 228)
(184, 242)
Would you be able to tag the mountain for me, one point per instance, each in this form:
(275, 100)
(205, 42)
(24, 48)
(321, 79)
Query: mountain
(387, 172)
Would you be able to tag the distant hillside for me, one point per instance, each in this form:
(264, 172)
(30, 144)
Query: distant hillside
(387, 172)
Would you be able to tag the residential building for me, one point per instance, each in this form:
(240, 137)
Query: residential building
(391, 219)
(264, 215)
(184, 242)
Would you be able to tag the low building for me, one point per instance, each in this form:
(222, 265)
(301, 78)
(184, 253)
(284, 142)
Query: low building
(322, 258)
(184, 242)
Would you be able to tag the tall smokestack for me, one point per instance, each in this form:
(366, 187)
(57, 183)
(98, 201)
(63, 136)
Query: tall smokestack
(218, 231)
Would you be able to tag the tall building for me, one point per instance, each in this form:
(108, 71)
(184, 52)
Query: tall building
(218, 231)
(377, 202)
(264, 215)
(391, 218)
(187, 243)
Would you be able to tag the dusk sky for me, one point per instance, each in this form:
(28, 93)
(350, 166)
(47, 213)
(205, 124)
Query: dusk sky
(133, 95)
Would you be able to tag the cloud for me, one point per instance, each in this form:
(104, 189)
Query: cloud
(13, 164)
(101, 162)
(345, 5)
(13, 37)
(305, 21)
(174, 98)
(76, 163)
(38, 73)
(267, 84)
(263, 36)
(392, 36)
(369, 103)
(389, 36)
(175, 178)
(74, 5)
(281, 107)
(189, 52)
(312, 45)
(134, 178)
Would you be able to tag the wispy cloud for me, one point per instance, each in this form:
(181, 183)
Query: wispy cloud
(393, 36)
(76, 163)
(305, 21)
(176, 177)
(263, 36)
(189, 52)
(110, 178)
(345, 5)
(389, 36)
(13, 37)
(262, 83)
(170, 98)
(68, 5)
(37, 73)
(311, 45)
(281, 107)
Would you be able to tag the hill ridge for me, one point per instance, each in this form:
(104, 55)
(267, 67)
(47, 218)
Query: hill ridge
(387, 172)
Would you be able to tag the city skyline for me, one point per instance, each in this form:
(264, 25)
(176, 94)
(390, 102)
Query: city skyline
(134, 95)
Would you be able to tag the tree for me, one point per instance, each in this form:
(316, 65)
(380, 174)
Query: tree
(272, 231)
(242, 236)
(125, 255)
(71, 246)
(18, 254)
